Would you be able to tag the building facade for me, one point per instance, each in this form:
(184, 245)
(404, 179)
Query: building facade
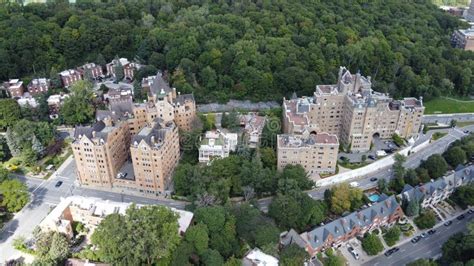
(38, 86)
(354, 112)
(14, 88)
(129, 68)
(382, 214)
(155, 154)
(316, 153)
(432, 193)
(91, 211)
(91, 71)
(463, 39)
(55, 102)
(253, 126)
(69, 77)
(216, 144)
(470, 12)
(100, 151)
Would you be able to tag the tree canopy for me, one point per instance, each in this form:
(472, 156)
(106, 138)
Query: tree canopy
(145, 235)
(10, 112)
(372, 244)
(257, 50)
(78, 108)
(14, 194)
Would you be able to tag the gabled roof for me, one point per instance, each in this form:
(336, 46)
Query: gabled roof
(87, 131)
(153, 136)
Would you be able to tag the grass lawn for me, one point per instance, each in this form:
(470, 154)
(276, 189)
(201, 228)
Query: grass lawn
(463, 124)
(438, 135)
(448, 106)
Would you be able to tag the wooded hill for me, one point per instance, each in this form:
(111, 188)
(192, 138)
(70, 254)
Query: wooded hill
(257, 50)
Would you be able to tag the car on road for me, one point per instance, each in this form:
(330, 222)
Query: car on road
(372, 157)
(431, 232)
(448, 223)
(391, 251)
(466, 131)
(58, 184)
(354, 184)
(416, 239)
(373, 179)
(423, 235)
(354, 253)
(460, 217)
(470, 211)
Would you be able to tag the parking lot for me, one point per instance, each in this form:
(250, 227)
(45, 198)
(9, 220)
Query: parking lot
(378, 145)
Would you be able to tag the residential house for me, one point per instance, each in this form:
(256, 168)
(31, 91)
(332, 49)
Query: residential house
(14, 88)
(91, 71)
(69, 77)
(129, 68)
(55, 102)
(253, 126)
(256, 257)
(38, 86)
(381, 214)
(432, 193)
(216, 144)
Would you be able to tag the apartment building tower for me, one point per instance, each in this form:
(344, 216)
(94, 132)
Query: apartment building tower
(316, 153)
(155, 154)
(354, 112)
(463, 39)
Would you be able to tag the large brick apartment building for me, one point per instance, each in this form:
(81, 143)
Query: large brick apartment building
(134, 147)
(354, 112)
(317, 153)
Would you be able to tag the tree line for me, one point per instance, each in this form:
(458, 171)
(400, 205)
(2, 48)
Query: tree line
(257, 50)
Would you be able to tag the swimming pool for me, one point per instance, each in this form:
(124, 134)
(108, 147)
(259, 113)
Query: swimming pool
(374, 197)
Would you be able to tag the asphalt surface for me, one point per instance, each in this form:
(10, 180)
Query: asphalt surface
(429, 247)
(413, 161)
(446, 118)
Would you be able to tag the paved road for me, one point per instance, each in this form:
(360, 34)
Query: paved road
(446, 118)
(412, 161)
(45, 196)
(430, 247)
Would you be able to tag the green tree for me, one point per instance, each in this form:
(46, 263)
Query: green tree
(269, 132)
(298, 174)
(457, 249)
(398, 169)
(230, 121)
(118, 70)
(268, 156)
(78, 107)
(4, 150)
(372, 244)
(293, 255)
(413, 208)
(411, 177)
(455, 156)
(344, 198)
(10, 113)
(52, 248)
(423, 174)
(426, 219)
(197, 235)
(464, 196)
(119, 242)
(15, 194)
(392, 235)
(436, 166)
(212, 257)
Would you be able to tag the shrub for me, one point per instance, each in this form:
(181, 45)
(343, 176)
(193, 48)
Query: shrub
(425, 220)
(372, 244)
(392, 236)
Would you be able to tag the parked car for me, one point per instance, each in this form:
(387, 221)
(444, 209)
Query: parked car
(395, 250)
(466, 131)
(58, 184)
(460, 217)
(354, 253)
(371, 157)
(388, 252)
(448, 223)
(423, 235)
(353, 184)
(416, 239)
(431, 232)
(373, 179)
(470, 211)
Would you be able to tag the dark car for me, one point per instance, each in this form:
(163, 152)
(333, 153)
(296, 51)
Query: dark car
(466, 131)
(470, 211)
(388, 253)
(371, 157)
(448, 223)
(431, 232)
(58, 184)
(343, 158)
(460, 217)
(395, 250)
(373, 179)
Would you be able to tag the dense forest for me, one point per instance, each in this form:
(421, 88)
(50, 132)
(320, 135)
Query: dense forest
(245, 49)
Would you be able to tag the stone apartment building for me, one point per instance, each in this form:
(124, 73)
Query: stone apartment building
(91, 70)
(142, 139)
(463, 39)
(38, 86)
(69, 77)
(382, 214)
(100, 151)
(317, 153)
(155, 154)
(129, 68)
(14, 88)
(354, 112)
(91, 211)
(432, 193)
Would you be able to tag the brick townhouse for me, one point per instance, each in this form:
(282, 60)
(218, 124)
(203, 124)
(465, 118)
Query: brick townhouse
(38, 86)
(92, 69)
(382, 214)
(69, 77)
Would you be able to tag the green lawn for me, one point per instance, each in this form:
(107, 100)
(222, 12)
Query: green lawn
(447, 106)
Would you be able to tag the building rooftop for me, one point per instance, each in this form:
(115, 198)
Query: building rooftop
(256, 257)
(155, 135)
(68, 72)
(297, 141)
(468, 33)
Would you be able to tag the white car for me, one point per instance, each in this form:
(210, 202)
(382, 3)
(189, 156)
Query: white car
(354, 184)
